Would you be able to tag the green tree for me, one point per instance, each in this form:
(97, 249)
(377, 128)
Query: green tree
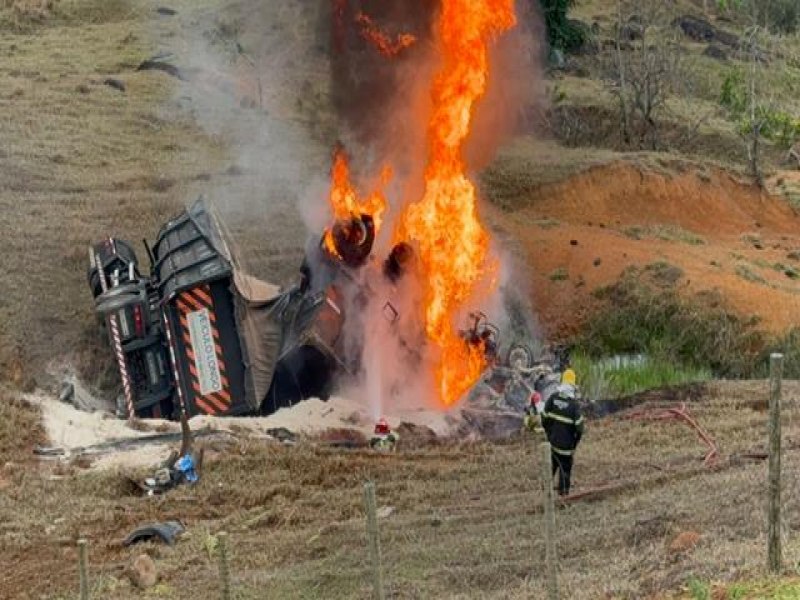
(562, 33)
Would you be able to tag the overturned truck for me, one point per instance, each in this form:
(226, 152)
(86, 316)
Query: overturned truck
(196, 335)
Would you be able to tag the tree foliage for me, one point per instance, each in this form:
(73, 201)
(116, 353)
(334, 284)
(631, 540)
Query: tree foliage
(562, 33)
(782, 16)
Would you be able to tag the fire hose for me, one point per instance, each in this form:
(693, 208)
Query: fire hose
(680, 413)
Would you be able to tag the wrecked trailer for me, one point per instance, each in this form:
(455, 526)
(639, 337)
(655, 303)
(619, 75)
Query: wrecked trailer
(199, 336)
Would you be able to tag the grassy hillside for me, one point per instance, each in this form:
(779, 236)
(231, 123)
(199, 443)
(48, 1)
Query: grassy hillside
(93, 146)
(80, 159)
(581, 209)
(691, 111)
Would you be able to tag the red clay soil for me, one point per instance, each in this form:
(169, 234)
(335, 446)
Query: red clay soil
(586, 227)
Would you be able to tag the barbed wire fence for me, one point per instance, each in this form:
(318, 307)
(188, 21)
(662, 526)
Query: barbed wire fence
(553, 521)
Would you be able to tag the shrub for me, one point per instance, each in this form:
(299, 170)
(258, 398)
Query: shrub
(690, 333)
(562, 33)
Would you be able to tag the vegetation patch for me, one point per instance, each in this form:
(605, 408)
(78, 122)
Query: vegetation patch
(560, 274)
(546, 223)
(684, 339)
(786, 589)
(602, 379)
(667, 233)
(698, 333)
(748, 274)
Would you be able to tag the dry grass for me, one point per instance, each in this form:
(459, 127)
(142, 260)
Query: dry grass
(81, 160)
(692, 122)
(20, 428)
(465, 521)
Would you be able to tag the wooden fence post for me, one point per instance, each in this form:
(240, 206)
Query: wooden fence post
(373, 540)
(549, 522)
(774, 478)
(224, 570)
(83, 570)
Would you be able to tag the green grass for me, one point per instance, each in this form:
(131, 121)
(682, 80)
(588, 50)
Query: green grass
(637, 318)
(600, 380)
(699, 590)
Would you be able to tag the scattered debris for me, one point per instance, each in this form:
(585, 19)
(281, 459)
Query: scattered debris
(282, 434)
(181, 467)
(167, 532)
(48, 451)
(384, 512)
(143, 573)
(343, 438)
(67, 393)
(154, 64)
(115, 83)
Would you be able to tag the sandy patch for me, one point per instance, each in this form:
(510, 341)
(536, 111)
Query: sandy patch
(80, 433)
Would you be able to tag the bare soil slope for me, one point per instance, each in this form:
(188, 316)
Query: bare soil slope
(702, 228)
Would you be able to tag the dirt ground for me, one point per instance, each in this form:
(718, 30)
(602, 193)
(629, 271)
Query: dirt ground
(461, 520)
(721, 234)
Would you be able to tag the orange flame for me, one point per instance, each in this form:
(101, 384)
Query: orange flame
(452, 244)
(385, 45)
(344, 199)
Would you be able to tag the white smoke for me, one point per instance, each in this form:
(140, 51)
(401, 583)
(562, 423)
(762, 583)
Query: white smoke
(255, 75)
(258, 82)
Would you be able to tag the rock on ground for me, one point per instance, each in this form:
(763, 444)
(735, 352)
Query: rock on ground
(143, 572)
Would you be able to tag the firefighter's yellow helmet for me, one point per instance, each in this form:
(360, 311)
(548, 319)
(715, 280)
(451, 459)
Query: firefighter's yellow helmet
(568, 377)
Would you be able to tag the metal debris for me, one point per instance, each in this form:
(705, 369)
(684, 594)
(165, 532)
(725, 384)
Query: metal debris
(167, 532)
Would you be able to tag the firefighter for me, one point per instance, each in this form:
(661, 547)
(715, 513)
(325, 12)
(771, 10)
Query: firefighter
(384, 439)
(532, 418)
(563, 423)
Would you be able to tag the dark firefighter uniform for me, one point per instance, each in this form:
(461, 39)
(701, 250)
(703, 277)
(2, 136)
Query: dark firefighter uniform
(563, 423)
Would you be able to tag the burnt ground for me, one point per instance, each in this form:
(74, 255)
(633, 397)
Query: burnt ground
(464, 520)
